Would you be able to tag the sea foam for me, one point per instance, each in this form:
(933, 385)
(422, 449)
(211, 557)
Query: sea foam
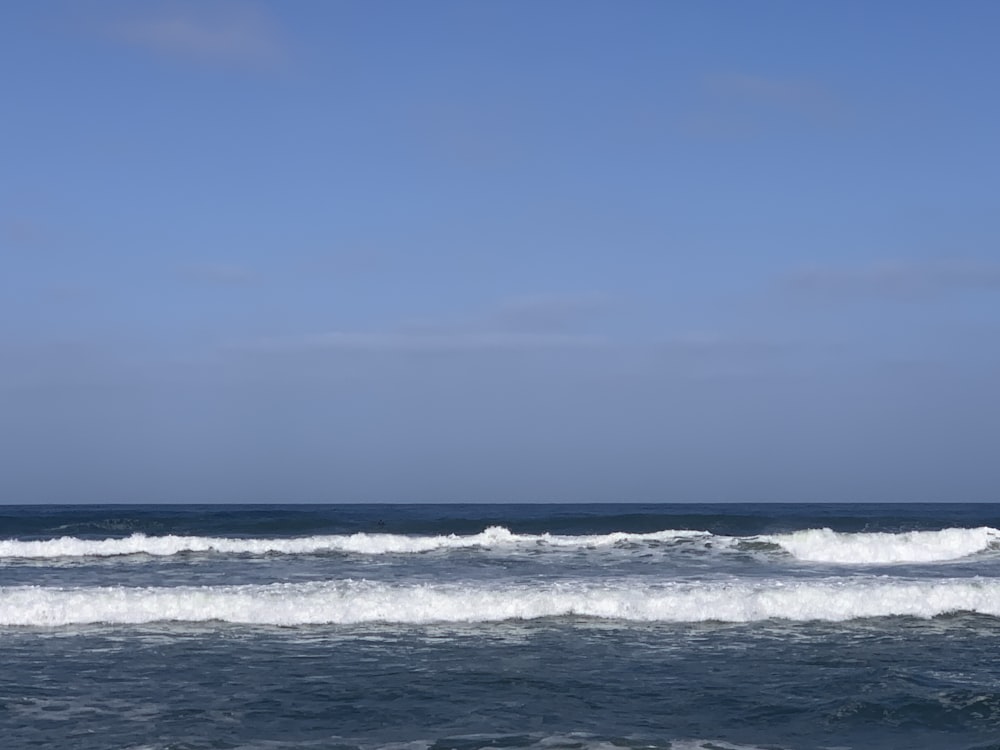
(825, 545)
(812, 545)
(356, 602)
(365, 544)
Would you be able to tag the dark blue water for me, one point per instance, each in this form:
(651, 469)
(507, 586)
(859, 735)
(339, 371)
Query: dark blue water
(543, 626)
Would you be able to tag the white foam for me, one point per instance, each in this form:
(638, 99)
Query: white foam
(825, 545)
(813, 545)
(353, 602)
(366, 544)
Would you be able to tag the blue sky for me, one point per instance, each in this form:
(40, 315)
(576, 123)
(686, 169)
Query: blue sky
(499, 251)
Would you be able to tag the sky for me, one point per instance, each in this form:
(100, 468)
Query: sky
(387, 251)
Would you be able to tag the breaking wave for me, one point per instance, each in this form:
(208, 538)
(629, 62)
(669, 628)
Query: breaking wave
(364, 544)
(811, 545)
(825, 545)
(357, 602)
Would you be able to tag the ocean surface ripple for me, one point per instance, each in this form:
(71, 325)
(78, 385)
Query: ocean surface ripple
(400, 627)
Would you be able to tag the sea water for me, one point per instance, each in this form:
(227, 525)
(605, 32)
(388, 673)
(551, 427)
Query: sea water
(431, 627)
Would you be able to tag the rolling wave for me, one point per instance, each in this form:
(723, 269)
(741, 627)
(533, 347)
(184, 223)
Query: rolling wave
(358, 602)
(825, 545)
(811, 545)
(364, 544)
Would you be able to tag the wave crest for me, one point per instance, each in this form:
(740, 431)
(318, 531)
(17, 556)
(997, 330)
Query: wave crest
(364, 544)
(811, 545)
(828, 546)
(358, 602)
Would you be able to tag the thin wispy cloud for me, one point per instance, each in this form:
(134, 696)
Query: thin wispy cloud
(719, 347)
(704, 342)
(711, 354)
(543, 312)
(223, 34)
(24, 233)
(415, 343)
(69, 293)
(896, 280)
(19, 233)
(520, 324)
(216, 273)
(804, 96)
(740, 104)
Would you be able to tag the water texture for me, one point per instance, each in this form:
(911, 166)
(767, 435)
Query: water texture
(438, 627)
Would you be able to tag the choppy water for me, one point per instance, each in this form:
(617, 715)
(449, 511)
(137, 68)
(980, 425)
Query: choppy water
(545, 626)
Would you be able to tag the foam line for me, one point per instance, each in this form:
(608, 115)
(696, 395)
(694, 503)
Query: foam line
(366, 544)
(825, 545)
(812, 545)
(354, 602)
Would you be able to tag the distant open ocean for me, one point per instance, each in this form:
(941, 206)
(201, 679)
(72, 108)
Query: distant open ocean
(439, 627)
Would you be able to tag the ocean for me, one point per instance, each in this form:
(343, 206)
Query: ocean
(459, 627)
